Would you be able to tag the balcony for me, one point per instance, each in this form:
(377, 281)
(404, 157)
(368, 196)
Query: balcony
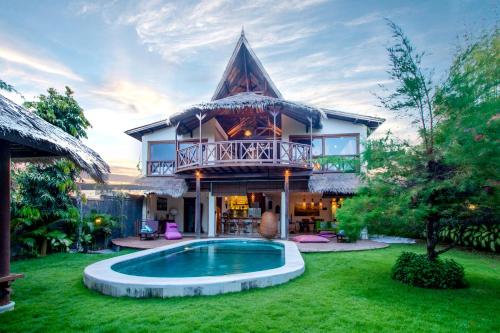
(235, 156)
(251, 156)
(244, 155)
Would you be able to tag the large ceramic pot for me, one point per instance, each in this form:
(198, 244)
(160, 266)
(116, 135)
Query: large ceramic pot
(269, 225)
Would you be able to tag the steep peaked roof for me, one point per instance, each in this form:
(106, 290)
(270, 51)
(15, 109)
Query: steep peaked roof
(245, 73)
(246, 84)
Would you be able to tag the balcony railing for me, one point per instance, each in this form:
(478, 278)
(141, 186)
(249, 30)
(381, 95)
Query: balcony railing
(160, 168)
(336, 163)
(244, 153)
(252, 153)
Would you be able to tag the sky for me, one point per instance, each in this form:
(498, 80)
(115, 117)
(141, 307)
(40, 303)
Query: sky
(131, 63)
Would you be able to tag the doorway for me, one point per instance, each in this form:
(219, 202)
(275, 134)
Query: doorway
(189, 213)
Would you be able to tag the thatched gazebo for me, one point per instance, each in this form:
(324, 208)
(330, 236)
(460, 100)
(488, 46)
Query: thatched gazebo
(26, 137)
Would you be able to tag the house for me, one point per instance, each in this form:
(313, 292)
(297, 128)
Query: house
(217, 166)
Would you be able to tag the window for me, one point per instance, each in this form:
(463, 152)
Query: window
(162, 151)
(333, 153)
(331, 145)
(344, 145)
(317, 147)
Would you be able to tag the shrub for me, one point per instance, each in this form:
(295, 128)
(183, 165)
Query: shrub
(417, 270)
(482, 237)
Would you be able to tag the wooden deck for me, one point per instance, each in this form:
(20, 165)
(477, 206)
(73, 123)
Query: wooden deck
(332, 246)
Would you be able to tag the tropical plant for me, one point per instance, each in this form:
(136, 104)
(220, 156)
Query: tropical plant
(483, 237)
(32, 234)
(100, 227)
(47, 189)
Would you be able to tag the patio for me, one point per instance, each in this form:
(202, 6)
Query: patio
(332, 246)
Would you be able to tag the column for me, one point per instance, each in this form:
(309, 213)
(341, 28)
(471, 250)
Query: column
(283, 215)
(197, 212)
(211, 215)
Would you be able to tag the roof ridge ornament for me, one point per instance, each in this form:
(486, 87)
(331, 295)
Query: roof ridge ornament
(242, 31)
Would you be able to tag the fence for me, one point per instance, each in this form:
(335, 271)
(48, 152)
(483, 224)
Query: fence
(127, 210)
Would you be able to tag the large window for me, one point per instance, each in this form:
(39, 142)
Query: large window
(343, 145)
(333, 153)
(162, 151)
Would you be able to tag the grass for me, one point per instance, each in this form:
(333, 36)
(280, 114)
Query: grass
(349, 291)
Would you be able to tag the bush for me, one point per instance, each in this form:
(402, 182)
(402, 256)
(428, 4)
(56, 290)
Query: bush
(417, 270)
(481, 237)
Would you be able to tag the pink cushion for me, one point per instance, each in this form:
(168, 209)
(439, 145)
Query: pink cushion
(173, 235)
(310, 239)
(172, 231)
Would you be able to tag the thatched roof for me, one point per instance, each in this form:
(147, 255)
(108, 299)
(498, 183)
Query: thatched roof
(33, 139)
(247, 100)
(175, 187)
(336, 183)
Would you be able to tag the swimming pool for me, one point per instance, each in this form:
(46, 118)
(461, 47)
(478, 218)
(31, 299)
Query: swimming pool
(197, 267)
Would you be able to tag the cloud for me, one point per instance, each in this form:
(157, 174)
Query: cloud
(137, 98)
(365, 19)
(175, 30)
(43, 65)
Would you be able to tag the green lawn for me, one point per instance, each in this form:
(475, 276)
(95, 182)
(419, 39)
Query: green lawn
(349, 291)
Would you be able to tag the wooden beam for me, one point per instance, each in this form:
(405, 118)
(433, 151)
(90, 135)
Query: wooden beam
(287, 203)
(246, 73)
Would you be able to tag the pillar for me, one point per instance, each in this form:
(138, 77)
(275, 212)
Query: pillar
(285, 201)
(211, 215)
(197, 212)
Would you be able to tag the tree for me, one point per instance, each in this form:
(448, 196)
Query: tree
(42, 205)
(414, 85)
(5, 86)
(62, 111)
(441, 181)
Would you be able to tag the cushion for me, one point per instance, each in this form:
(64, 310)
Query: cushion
(173, 235)
(146, 228)
(310, 239)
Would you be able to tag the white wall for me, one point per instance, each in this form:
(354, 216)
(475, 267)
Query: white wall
(177, 203)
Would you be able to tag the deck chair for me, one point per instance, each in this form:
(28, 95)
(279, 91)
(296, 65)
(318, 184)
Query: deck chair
(149, 230)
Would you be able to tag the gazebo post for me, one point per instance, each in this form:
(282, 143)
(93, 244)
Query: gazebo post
(5, 280)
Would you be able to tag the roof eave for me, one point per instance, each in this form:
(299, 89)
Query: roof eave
(138, 132)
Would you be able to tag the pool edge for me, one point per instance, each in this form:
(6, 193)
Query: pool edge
(100, 277)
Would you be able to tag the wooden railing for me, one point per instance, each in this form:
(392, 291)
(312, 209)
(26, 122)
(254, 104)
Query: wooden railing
(244, 152)
(160, 168)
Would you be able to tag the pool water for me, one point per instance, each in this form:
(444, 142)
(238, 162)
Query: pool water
(209, 258)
